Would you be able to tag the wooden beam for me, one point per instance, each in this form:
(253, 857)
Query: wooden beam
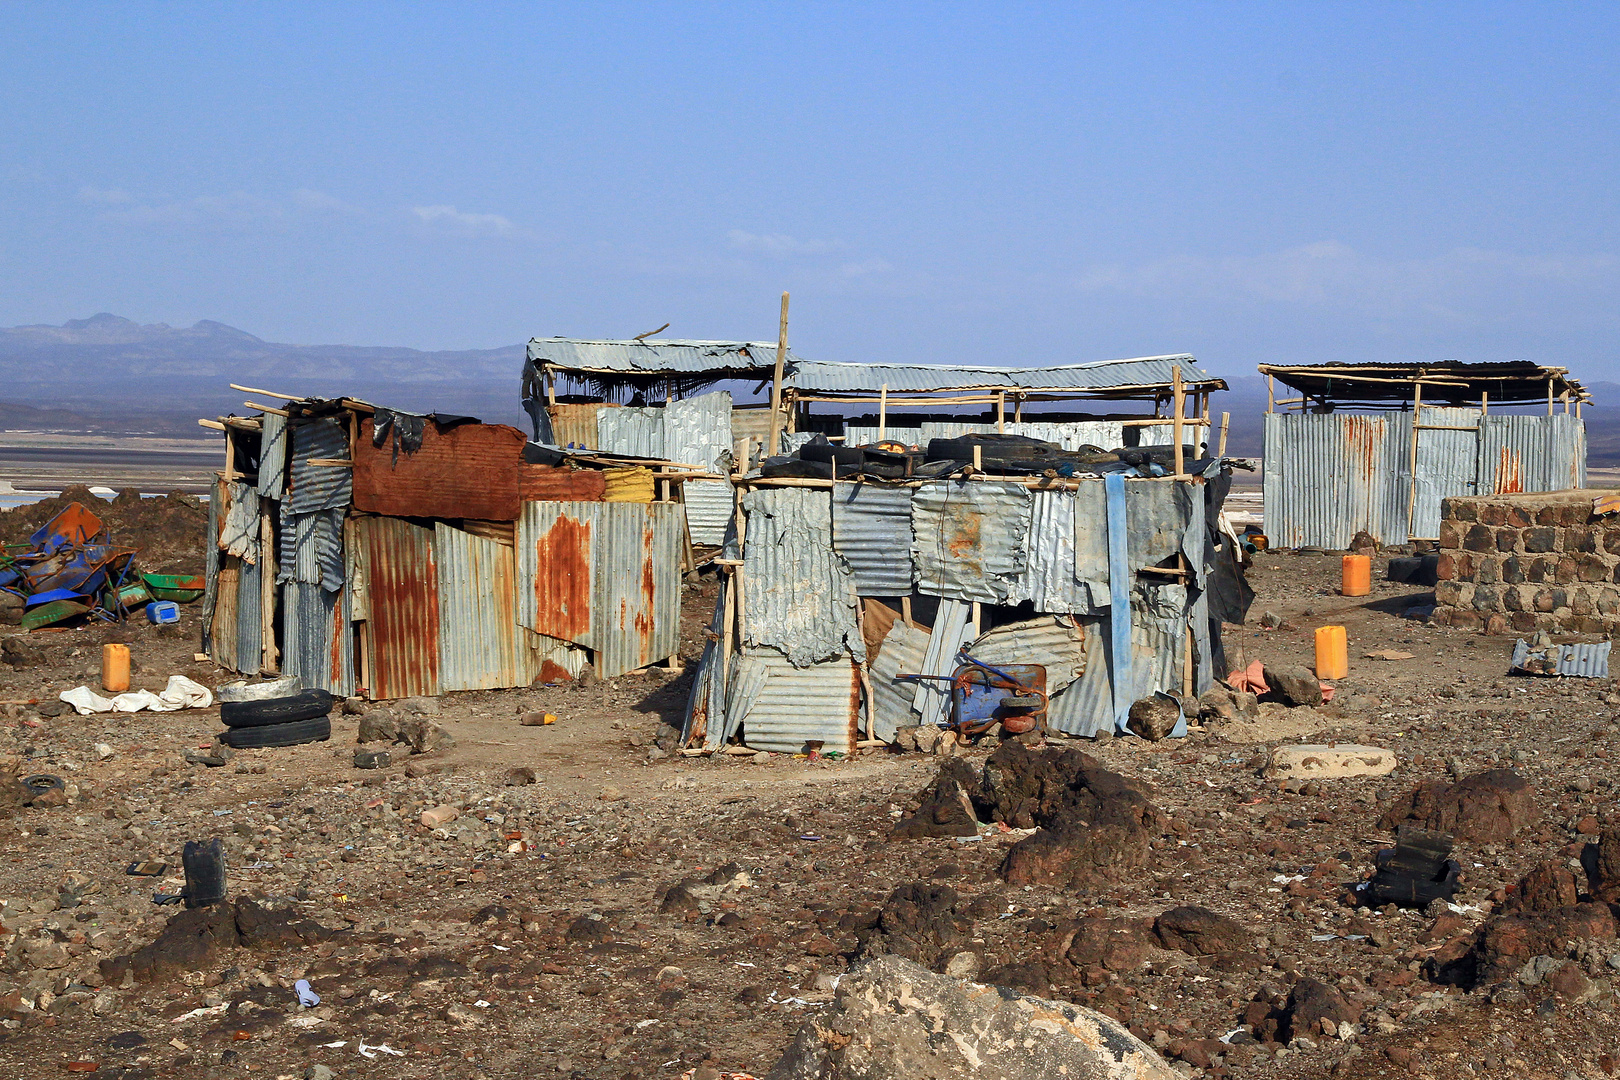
(266, 393)
(883, 413)
(775, 443)
(1225, 419)
(1411, 502)
(1180, 404)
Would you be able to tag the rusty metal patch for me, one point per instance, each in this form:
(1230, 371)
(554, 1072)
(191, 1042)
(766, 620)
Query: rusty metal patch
(467, 471)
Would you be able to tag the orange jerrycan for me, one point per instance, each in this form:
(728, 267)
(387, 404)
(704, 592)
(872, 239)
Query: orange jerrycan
(1332, 653)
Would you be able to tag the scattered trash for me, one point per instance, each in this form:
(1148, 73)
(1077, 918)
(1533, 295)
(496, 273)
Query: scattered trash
(537, 719)
(306, 997)
(180, 693)
(1539, 656)
(372, 1051)
(147, 868)
(198, 1014)
(205, 872)
(1415, 872)
(243, 690)
(163, 613)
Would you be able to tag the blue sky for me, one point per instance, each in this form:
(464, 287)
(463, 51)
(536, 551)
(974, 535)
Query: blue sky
(939, 183)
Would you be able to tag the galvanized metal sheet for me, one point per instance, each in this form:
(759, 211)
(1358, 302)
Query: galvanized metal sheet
(554, 569)
(710, 505)
(1149, 371)
(319, 487)
(903, 652)
(1447, 464)
(1531, 453)
(1328, 476)
(240, 535)
(706, 699)
(224, 629)
(675, 355)
(697, 430)
(402, 582)
(312, 548)
(797, 707)
(798, 595)
(968, 538)
(1051, 582)
(1158, 642)
(1055, 642)
(871, 532)
(273, 456)
(481, 645)
(318, 636)
(953, 628)
(250, 618)
(1585, 661)
(638, 432)
(211, 569)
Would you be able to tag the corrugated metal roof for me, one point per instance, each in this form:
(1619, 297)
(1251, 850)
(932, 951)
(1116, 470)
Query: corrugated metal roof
(784, 708)
(319, 487)
(968, 538)
(480, 647)
(871, 532)
(318, 638)
(1052, 641)
(678, 355)
(1102, 375)
(798, 595)
(1588, 661)
(709, 508)
(904, 652)
(402, 584)
(273, 456)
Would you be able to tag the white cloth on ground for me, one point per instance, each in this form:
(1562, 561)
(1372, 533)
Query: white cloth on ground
(181, 693)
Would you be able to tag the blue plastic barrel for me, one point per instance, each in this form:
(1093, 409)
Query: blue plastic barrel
(163, 612)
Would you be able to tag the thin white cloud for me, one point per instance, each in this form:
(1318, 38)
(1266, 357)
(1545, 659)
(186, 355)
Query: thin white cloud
(865, 268)
(236, 209)
(105, 196)
(321, 203)
(1467, 284)
(460, 223)
(779, 246)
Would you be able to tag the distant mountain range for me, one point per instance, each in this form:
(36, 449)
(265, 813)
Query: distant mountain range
(111, 374)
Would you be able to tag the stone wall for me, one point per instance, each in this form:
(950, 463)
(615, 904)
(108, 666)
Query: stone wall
(1519, 563)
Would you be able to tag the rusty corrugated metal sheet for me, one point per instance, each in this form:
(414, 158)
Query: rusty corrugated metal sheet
(318, 637)
(798, 595)
(554, 568)
(465, 471)
(1056, 642)
(481, 646)
(1531, 453)
(1328, 476)
(633, 484)
(575, 425)
(228, 584)
(968, 538)
(637, 571)
(559, 484)
(402, 585)
(784, 708)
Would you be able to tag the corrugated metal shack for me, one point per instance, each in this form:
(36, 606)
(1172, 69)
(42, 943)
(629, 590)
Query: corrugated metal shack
(1376, 447)
(372, 551)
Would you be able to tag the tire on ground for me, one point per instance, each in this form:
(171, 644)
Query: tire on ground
(302, 706)
(314, 729)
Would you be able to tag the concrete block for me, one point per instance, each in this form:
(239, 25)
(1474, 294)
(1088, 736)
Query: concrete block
(1318, 761)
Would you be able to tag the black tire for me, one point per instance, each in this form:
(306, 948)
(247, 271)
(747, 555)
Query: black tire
(283, 710)
(315, 729)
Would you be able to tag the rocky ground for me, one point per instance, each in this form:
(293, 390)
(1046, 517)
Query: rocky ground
(632, 913)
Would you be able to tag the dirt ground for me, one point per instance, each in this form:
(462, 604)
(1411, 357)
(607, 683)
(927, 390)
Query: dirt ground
(527, 937)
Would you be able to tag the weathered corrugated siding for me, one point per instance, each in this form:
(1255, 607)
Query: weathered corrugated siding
(638, 431)
(706, 699)
(481, 646)
(968, 538)
(319, 487)
(709, 508)
(697, 430)
(554, 569)
(798, 595)
(211, 570)
(465, 471)
(402, 583)
(559, 484)
(784, 707)
(871, 532)
(1049, 581)
(1328, 476)
(1531, 453)
(250, 618)
(312, 548)
(953, 628)
(1158, 642)
(1055, 642)
(228, 585)
(637, 580)
(273, 456)
(574, 425)
(318, 636)
(1447, 464)
(903, 652)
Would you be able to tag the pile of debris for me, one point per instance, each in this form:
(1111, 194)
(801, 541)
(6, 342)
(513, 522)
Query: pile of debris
(1015, 455)
(71, 570)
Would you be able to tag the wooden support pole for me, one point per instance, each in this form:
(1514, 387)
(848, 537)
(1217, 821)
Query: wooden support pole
(1018, 409)
(270, 655)
(1417, 412)
(773, 447)
(1001, 413)
(1271, 393)
(1484, 403)
(551, 388)
(905, 610)
(883, 413)
(1549, 397)
(266, 393)
(1225, 419)
(1566, 402)
(1180, 404)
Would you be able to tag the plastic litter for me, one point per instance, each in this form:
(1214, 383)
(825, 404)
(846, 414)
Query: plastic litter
(306, 997)
(180, 693)
(205, 872)
(372, 1051)
(163, 613)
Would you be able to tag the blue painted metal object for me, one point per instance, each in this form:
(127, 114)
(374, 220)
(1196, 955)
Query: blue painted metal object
(1119, 588)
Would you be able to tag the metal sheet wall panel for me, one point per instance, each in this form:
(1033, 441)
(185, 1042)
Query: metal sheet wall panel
(969, 538)
(211, 570)
(708, 683)
(1054, 642)
(1447, 464)
(636, 609)
(555, 560)
(709, 508)
(1158, 640)
(1146, 371)
(250, 618)
(953, 628)
(273, 456)
(674, 354)
(638, 432)
(1328, 476)
(319, 639)
(402, 582)
(574, 425)
(463, 471)
(797, 706)
(319, 487)
(1531, 453)
(798, 595)
(481, 645)
(1050, 582)
(229, 586)
(903, 652)
(559, 484)
(312, 548)
(871, 532)
(1192, 434)
(697, 430)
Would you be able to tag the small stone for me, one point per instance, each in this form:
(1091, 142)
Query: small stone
(439, 815)
(519, 777)
(371, 759)
(318, 1072)
(103, 751)
(762, 757)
